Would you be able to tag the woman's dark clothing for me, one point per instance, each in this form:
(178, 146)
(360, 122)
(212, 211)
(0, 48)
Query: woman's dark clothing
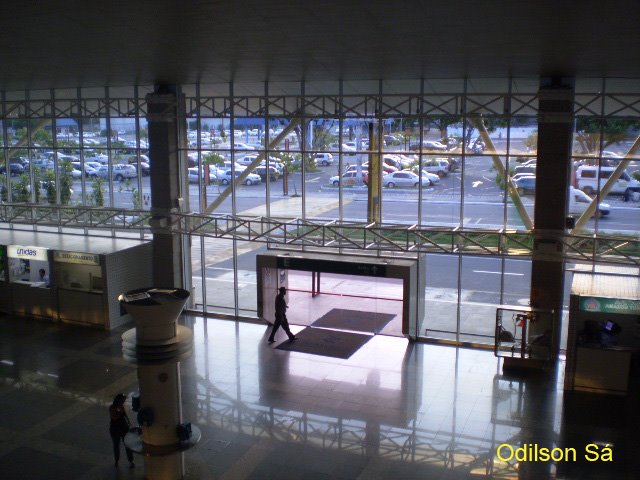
(281, 318)
(118, 428)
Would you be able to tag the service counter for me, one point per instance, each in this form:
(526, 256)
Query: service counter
(73, 278)
(604, 330)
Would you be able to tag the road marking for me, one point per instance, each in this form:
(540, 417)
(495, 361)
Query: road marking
(498, 273)
(477, 183)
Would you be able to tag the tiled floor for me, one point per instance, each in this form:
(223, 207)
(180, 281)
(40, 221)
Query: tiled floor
(393, 410)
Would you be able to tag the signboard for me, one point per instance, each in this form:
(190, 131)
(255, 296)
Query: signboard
(76, 257)
(27, 253)
(610, 305)
(329, 266)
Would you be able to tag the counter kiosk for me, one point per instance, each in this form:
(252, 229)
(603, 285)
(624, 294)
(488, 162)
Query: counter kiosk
(604, 330)
(85, 275)
(29, 273)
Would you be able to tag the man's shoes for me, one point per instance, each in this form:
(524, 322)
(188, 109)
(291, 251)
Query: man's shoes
(291, 339)
(271, 340)
(132, 465)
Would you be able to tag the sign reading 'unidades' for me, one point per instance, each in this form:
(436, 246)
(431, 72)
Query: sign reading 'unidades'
(27, 253)
(610, 305)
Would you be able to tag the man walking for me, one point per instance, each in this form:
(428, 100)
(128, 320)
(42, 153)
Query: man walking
(281, 317)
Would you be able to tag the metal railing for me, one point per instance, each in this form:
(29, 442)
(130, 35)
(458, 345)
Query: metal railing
(332, 235)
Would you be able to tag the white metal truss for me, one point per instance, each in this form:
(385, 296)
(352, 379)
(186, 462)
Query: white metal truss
(332, 235)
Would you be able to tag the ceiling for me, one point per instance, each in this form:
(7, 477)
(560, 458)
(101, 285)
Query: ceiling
(75, 43)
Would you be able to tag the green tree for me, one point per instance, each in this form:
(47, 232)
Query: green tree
(66, 182)
(4, 194)
(531, 142)
(49, 182)
(96, 197)
(590, 129)
(20, 189)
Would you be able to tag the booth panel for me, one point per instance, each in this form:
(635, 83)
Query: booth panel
(81, 307)
(5, 297)
(32, 301)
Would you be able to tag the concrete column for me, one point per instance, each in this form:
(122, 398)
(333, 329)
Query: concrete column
(555, 139)
(165, 125)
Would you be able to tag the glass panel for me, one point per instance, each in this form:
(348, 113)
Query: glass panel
(483, 197)
(219, 275)
(441, 205)
(522, 170)
(480, 296)
(247, 281)
(441, 297)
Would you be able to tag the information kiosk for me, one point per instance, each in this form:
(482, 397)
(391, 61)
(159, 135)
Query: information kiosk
(604, 330)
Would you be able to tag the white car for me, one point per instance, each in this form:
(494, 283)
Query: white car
(325, 159)
(349, 178)
(88, 169)
(247, 159)
(404, 179)
(242, 146)
(579, 201)
(252, 178)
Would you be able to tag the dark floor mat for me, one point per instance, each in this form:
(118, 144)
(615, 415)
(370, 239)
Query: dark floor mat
(356, 320)
(328, 343)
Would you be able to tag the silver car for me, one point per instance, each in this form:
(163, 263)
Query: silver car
(119, 172)
(404, 179)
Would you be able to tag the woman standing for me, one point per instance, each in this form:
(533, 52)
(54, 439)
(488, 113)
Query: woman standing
(118, 428)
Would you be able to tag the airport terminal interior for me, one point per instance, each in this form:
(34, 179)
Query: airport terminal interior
(450, 196)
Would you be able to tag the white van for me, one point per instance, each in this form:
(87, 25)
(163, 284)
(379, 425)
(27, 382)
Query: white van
(587, 180)
(579, 201)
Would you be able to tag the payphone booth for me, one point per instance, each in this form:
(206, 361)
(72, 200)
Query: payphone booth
(398, 276)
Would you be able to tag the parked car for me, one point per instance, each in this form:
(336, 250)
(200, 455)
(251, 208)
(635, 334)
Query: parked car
(88, 169)
(119, 172)
(589, 179)
(385, 168)
(263, 171)
(242, 146)
(432, 177)
(195, 173)
(325, 159)
(531, 168)
(428, 145)
(247, 160)
(14, 169)
(349, 178)
(439, 166)
(252, 178)
(518, 176)
(404, 178)
(526, 184)
(579, 201)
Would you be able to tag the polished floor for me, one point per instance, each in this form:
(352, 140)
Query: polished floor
(393, 410)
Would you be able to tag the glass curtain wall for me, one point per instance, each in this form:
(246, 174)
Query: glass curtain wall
(85, 146)
(454, 145)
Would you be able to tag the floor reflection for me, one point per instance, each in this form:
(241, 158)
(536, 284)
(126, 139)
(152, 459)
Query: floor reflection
(392, 410)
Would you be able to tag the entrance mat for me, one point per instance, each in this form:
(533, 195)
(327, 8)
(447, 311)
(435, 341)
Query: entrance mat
(328, 343)
(342, 319)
